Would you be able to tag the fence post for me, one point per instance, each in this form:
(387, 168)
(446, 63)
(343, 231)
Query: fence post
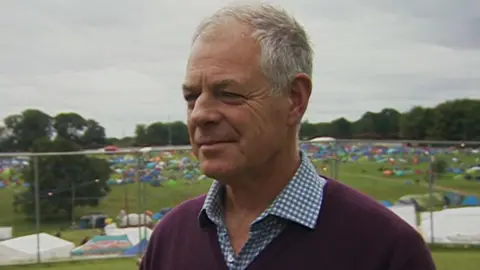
(331, 167)
(331, 161)
(139, 201)
(431, 179)
(73, 205)
(141, 248)
(337, 161)
(37, 204)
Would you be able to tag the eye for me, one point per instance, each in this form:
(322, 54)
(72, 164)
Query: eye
(230, 95)
(190, 100)
(190, 97)
(231, 98)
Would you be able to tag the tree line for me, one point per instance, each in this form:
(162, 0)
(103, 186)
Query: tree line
(67, 182)
(455, 120)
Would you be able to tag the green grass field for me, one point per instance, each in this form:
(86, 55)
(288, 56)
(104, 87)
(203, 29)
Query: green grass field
(363, 176)
(445, 260)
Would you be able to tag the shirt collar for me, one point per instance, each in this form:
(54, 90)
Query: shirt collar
(300, 201)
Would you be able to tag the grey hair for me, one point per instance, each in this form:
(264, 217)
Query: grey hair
(284, 44)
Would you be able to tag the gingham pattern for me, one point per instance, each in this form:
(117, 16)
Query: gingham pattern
(299, 202)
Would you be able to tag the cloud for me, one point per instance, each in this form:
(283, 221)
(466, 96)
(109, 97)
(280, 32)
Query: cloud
(453, 24)
(122, 62)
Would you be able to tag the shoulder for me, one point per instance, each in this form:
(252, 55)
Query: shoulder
(356, 206)
(179, 218)
(168, 232)
(362, 215)
(362, 218)
(185, 211)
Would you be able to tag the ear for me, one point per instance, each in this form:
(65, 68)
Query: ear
(299, 96)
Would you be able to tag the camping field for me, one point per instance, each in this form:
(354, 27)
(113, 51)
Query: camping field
(365, 175)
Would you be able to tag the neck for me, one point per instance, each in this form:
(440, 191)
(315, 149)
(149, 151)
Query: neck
(259, 188)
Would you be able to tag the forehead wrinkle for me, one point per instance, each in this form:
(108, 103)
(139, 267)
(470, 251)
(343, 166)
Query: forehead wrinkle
(225, 52)
(214, 71)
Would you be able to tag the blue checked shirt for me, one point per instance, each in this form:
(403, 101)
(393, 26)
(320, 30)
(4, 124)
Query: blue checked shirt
(300, 202)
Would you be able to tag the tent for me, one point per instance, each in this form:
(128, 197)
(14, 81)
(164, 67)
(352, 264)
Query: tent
(407, 213)
(24, 249)
(452, 226)
(473, 173)
(322, 140)
(160, 214)
(422, 201)
(134, 219)
(386, 203)
(138, 248)
(103, 244)
(133, 234)
(471, 201)
(92, 221)
(5, 233)
(453, 198)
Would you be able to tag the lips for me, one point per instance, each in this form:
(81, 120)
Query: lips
(212, 138)
(210, 142)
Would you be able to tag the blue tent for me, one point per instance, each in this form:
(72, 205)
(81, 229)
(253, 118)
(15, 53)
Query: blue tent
(453, 199)
(386, 203)
(138, 248)
(471, 201)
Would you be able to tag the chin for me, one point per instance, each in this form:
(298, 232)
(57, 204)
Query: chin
(217, 169)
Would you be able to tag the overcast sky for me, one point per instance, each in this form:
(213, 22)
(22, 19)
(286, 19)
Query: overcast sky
(122, 62)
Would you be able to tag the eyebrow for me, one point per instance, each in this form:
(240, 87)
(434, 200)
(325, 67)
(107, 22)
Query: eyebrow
(219, 85)
(187, 88)
(215, 85)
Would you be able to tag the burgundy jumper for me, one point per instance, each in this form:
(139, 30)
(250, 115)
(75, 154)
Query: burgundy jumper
(353, 232)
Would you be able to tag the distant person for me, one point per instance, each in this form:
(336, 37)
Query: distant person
(247, 87)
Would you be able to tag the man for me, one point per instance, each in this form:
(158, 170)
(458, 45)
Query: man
(247, 87)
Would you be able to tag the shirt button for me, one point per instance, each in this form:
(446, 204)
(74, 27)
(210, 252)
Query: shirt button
(230, 258)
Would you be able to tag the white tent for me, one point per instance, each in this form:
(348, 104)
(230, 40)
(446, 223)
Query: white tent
(407, 213)
(323, 139)
(133, 219)
(453, 226)
(5, 233)
(24, 249)
(134, 234)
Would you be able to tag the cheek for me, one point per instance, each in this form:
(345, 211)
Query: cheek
(191, 131)
(272, 121)
(250, 125)
(259, 129)
(190, 128)
(273, 127)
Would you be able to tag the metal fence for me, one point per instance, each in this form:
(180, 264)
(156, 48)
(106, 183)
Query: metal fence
(336, 161)
(441, 187)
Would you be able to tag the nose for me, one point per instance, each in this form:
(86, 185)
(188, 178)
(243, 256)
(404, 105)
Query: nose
(205, 111)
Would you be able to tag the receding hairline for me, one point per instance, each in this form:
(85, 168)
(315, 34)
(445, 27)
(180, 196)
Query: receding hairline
(233, 13)
(231, 26)
(285, 47)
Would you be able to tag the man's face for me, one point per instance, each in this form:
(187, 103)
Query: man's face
(234, 124)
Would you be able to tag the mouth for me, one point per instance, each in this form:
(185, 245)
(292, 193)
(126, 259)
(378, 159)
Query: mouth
(212, 143)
